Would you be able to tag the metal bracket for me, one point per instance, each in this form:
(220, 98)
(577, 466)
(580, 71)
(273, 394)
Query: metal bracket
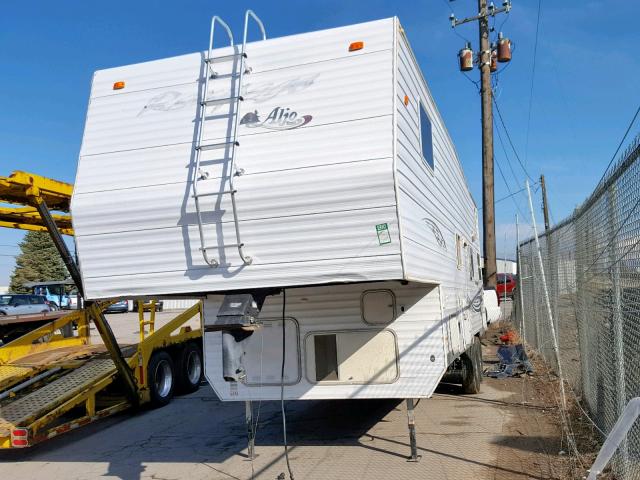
(490, 12)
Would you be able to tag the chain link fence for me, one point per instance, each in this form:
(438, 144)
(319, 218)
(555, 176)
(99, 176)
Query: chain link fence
(592, 267)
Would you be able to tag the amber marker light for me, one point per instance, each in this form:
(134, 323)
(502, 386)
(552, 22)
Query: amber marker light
(356, 46)
(118, 85)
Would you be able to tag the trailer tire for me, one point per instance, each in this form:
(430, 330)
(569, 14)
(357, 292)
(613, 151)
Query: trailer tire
(472, 368)
(161, 378)
(190, 368)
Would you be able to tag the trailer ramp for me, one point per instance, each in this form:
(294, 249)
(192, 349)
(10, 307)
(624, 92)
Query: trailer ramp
(26, 410)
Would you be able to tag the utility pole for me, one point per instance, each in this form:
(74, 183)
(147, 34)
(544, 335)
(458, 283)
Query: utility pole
(545, 205)
(487, 59)
(488, 205)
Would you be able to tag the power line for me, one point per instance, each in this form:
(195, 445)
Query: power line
(506, 131)
(633, 120)
(504, 150)
(506, 19)
(477, 84)
(533, 74)
(446, 2)
(507, 197)
(508, 187)
(513, 173)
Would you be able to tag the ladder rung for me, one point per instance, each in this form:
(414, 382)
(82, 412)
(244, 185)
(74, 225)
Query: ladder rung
(226, 245)
(215, 75)
(211, 194)
(224, 58)
(214, 146)
(220, 101)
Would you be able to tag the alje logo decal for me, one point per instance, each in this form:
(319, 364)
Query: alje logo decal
(279, 119)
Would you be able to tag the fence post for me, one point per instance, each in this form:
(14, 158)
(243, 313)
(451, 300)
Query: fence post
(617, 319)
(546, 299)
(519, 286)
(534, 300)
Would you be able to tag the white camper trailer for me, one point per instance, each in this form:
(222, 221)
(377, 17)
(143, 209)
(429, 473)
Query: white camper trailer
(313, 167)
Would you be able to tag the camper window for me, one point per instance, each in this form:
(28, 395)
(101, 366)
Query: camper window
(426, 140)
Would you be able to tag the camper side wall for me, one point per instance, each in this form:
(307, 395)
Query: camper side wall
(438, 218)
(368, 340)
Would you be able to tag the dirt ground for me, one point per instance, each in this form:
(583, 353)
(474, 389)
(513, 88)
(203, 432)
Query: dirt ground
(545, 444)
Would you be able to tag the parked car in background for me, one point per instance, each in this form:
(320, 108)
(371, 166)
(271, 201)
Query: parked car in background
(506, 286)
(119, 307)
(54, 290)
(19, 304)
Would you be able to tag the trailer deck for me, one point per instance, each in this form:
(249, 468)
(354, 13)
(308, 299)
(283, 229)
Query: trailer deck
(50, 384)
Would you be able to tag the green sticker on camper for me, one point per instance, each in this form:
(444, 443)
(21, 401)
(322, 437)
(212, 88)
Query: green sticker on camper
(382, 230)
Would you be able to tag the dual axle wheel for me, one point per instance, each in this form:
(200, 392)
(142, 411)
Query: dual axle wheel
(167, 374)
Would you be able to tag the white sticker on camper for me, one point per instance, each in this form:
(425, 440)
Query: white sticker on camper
(382, 230)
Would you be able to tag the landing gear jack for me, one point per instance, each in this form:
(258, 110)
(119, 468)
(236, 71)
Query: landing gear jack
(251, 445)
(411, 419)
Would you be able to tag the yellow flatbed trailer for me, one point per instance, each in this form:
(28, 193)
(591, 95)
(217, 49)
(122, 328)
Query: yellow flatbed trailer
(50, 384)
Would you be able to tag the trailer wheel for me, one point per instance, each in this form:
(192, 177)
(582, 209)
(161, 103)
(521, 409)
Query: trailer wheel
(190, 368)
(160, 378)
(472, 368)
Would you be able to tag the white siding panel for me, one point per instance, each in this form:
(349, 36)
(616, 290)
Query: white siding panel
(178, 303)
(418, 331)
(279, 240)
(164, 116)
(351, 186)
(340, 270)
(276, 53)
(279, 150)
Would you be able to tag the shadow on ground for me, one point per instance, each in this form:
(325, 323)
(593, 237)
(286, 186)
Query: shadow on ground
(188, 432)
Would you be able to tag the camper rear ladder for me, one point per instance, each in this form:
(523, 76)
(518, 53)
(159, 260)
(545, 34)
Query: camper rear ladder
(228, 146)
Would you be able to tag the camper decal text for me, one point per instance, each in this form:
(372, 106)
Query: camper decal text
(279, 119)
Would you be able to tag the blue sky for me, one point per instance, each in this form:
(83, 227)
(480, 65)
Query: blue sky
(585, 85)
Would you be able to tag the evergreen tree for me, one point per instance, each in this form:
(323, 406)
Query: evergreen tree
(39, 260)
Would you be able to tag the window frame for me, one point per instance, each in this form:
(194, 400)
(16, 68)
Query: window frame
(421, 110)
